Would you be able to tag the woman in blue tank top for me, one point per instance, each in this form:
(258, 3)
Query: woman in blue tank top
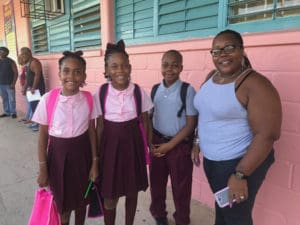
(239, 121)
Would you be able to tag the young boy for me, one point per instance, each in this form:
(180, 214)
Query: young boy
(171, 151)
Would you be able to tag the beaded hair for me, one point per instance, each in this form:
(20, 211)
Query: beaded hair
(75, 55)
(239, 38)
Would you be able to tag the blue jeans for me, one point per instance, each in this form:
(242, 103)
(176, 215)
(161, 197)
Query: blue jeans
(8, 99)
(218, 173)
(34, 104)
(28, 113)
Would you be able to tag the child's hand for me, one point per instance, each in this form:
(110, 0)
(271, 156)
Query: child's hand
(152, 148)
(94, 172)
(42, 179)
(195, 155)
(161, 150)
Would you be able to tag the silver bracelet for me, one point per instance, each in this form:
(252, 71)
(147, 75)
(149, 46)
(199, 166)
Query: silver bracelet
(196, 141)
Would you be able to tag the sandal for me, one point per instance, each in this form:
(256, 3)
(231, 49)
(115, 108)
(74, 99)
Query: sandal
(27, 121)
(22, 120)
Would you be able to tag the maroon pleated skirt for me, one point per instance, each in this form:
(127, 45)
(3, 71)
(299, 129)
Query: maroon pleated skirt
(69, 163)
(122, 159)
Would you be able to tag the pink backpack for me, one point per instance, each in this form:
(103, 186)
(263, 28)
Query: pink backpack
(52, 101)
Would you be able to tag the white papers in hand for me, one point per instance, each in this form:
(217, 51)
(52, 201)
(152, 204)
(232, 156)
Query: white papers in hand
(33, 97)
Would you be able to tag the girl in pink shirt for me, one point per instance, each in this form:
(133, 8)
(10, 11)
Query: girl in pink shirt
(69, 160)
(122, 157)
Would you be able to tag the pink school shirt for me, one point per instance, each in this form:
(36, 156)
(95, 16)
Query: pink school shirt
(71, 115)
(120, 105)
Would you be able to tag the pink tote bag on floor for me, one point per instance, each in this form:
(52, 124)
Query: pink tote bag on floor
(44, 211)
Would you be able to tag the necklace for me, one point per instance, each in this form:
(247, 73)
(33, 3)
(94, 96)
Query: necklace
(223, 79)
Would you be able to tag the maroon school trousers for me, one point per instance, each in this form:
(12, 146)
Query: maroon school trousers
(178, 164)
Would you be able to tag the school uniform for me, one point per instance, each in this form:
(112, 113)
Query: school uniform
(122, 157)
(177, 163)
(69, 156)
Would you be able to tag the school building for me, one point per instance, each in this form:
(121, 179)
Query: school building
(271, 32)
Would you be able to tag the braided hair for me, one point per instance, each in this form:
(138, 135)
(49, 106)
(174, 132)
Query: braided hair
(111, 49)
(74, 55)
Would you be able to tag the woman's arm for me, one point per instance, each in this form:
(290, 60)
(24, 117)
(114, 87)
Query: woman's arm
(263, 105)
(265, 116)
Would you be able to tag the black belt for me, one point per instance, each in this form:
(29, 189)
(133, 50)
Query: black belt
(162, 136)
(168, 138)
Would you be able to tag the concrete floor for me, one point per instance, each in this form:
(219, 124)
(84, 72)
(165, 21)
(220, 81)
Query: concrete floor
(18, 168)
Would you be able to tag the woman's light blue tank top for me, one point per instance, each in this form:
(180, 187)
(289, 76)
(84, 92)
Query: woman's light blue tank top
(223, 127)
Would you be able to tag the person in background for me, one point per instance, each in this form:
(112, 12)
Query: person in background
(122, 157)
(239, 121)
(8, 79)
(67, 151)
(172, 143)
(28, 114)
(34, 79)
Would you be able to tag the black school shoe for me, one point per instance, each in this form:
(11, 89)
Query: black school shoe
(3, 115)
(14, 116)
(162, 221)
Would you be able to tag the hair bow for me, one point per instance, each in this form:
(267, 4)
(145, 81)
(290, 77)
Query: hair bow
(120, 45)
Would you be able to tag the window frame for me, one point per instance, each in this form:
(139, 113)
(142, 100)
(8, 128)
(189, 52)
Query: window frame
(279, 23)
(67, 17)
(271, 24)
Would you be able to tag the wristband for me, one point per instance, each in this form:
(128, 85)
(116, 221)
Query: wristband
(196, 141)
(239, 175)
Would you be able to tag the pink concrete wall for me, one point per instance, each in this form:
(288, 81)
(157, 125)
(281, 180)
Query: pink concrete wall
(274, 54)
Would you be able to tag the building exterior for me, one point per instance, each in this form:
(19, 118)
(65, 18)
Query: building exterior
(271, 32)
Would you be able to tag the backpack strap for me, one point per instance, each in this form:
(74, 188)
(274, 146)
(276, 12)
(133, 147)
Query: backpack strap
(153, 90)
(51, 103)
(209, 75)
(102, 96)
(246, 73)
(138, 104)
(138, 99)
(183, 93)
(89, 99)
